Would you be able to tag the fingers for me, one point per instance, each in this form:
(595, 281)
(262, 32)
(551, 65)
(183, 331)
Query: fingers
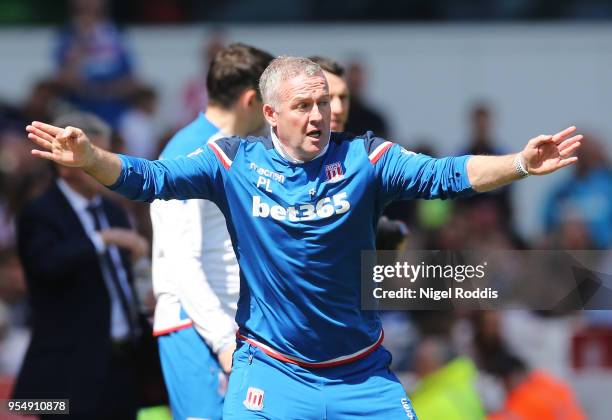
(563, 134)
(40, 141)
(40, 133)
(567, 162)
(47, 128)
(44, 135)
(40, 138)
(567, 143)
(43, 155)
(558, 138)
(568, 151)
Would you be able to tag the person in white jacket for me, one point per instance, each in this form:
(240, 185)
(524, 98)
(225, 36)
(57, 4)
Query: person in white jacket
(195, 272)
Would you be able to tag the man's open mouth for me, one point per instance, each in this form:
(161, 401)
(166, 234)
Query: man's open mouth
(314, 133)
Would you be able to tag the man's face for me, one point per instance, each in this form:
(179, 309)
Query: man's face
(339, 99)
(302, 117)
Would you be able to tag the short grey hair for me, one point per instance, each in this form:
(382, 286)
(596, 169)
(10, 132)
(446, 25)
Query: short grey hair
(283, 68)
(89, 123)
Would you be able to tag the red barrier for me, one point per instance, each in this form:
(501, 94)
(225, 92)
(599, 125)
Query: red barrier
(592, 348)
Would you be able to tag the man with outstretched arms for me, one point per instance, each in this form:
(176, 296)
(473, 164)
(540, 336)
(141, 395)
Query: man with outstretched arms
(301, 204)
(195, 272)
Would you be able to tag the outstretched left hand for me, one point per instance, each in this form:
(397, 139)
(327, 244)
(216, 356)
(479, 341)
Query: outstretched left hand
(547, 153)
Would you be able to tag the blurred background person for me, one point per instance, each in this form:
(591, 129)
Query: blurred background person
(491, 213)
(584, 199)
(76, 249)
(138, 127)
(94, 69)
(14, 334)
(391, 235)
(194, 95)
(482, 142)
(20, 180)
(532, 394)
(43, 102)
(338, 91)
(400, 334)
(363, 117)
(446, 386)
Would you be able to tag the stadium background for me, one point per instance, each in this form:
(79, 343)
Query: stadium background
(538, 66)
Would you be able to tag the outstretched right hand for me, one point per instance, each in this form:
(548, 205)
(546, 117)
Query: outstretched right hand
(67, 146)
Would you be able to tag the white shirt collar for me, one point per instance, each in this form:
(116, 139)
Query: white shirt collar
(76, 200)
(281, 149)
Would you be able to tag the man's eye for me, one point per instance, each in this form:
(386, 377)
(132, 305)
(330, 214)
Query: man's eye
(324, 103)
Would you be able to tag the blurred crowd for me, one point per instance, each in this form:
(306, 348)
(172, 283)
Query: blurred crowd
(455, 364)
(508, 363)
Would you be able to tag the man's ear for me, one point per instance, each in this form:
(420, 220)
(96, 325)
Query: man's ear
(270, 115)
(248, 98)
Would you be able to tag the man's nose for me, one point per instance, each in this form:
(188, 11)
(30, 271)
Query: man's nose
(315, 113)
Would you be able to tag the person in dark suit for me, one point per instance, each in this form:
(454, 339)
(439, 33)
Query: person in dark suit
(75, 247)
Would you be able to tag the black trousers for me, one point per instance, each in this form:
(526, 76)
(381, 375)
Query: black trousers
(119, 399)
